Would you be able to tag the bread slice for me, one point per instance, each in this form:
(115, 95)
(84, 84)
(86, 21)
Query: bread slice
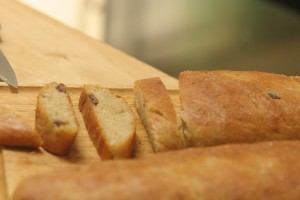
(157, 112)
(265, 170)
(16, 132)
(221, 107)
(55, 118)
(109, 122)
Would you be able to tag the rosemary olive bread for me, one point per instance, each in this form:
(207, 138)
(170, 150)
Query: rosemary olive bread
(109, 122)
(55, 118)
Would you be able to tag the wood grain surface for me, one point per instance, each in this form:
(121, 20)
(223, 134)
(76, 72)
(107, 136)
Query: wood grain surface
(42, 50)
(3, 195)
(20, 163)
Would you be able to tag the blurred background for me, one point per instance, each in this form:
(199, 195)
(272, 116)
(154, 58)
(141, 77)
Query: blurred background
(175, 35)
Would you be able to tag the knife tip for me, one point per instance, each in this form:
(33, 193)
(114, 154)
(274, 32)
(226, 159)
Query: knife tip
(12, 83)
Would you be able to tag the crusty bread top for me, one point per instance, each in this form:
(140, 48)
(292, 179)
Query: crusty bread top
(235, 106)
(241, 171)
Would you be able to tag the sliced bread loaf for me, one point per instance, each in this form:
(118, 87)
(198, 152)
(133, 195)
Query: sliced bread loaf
(55, 118)
(157, 112)
(109, 122)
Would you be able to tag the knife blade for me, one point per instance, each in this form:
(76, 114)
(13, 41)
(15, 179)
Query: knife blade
(7, 73)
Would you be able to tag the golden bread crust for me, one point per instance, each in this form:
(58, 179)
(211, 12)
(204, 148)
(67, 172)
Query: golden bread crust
(266, 170)
(238, 106)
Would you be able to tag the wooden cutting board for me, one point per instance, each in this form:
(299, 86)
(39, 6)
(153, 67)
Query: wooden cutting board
(42, 50)
(20, 163)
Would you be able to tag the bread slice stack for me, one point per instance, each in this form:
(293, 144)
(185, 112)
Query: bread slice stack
(109, 122)
(55, 118)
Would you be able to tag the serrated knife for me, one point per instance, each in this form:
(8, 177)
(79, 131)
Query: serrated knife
(7, 73)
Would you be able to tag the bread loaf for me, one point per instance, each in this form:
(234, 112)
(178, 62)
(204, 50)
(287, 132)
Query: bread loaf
(55, 118)
(16, 132)
(239, 106)
(157, 112)
(109, 122)
(267, 170)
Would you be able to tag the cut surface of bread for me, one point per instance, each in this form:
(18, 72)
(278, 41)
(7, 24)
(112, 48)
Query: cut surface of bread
(109, 122)
(55, 118)
(239, 106)
(16, 132)
(265, 170)
(157, 112)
